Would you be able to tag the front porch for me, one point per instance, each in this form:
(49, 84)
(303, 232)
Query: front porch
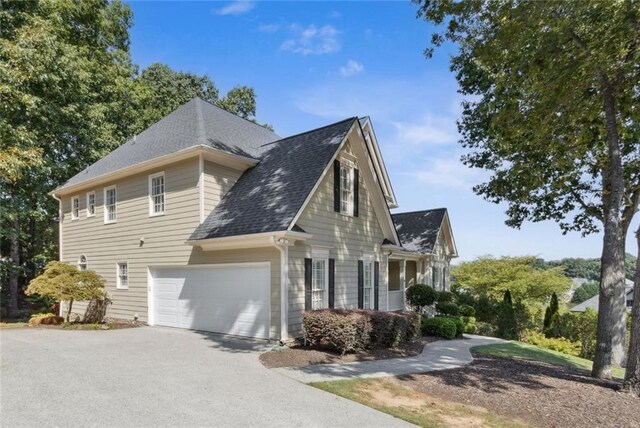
(403, 273)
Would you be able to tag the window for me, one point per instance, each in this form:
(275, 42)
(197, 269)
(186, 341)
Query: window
(110, 205)
(123, 275)
(75, 208)
(444, 278)
(346, 189)
(434, 277)
(82, 262)
(156, 194)
(91, 204)
(367, 295)
(319, 280)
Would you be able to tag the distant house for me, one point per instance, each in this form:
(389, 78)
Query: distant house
(593, 302)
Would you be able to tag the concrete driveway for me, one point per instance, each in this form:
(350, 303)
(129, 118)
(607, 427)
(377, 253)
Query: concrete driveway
(156, 377)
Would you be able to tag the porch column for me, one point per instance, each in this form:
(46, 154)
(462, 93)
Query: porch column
(403, 281)
(282, 244)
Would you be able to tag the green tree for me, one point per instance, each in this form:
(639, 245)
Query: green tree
(551, 112)
(585, 292)
(65, 75)
(64, 282)
(551, 318)
(507, 326)
(241, 100)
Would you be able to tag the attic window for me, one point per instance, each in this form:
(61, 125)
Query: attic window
(346, 189)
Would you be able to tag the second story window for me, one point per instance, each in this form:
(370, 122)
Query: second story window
(346, 190)
(91, 204)
(75, 208)
(110, 205)
(156, 194)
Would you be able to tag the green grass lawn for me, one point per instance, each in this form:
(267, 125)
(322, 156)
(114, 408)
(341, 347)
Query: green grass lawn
(13, 324)
(531, 352)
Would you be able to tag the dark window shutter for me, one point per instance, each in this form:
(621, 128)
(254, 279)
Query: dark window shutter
(356, 192)
(360, 284)
(336, 185)
(332, 283)
(308, 271)
(376, 285)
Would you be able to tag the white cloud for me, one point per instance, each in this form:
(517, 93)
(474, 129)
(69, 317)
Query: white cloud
(312, 40)
(269, 28)
(448, 172)
(432, 130)
(236, 8)
(352, 68)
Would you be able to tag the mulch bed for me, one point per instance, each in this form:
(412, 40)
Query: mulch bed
(538, 393)
(299, 355)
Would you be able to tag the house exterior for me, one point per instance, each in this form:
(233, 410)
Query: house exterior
(211, 222)
(593, 303)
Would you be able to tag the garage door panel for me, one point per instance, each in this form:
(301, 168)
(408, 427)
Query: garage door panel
(231, 300)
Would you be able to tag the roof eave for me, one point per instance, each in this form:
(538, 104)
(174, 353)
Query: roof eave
(254, 240)
(212, 154)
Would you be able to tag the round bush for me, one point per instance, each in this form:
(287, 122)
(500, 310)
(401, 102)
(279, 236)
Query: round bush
(467, 311)
(469, 325)
(446, 297)
(439, 327)
(450, 309)
(420, 295)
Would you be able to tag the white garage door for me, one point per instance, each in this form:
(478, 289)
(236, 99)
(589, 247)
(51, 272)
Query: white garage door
(229, 299)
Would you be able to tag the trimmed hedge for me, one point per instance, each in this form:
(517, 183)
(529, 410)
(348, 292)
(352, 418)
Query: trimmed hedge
(450, 309)
(421, 295)
(344, 331)
(354, 330)
(469, 325)
(459, 325)
(446, 297)
(439, 327)
(467, 311)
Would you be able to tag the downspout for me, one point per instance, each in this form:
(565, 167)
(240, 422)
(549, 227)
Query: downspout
(60, 214)
(282, 244)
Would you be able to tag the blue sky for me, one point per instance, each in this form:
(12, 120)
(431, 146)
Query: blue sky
(314, 63)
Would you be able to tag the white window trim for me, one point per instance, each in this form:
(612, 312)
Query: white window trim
(349, 167)
(119, 285)
(325, 290)
(80, 263)
(74, 215)
(164, 195)
(368, 262)
(104, 205)
(94, 204)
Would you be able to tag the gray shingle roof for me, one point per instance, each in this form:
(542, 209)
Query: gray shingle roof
(418, 230)
(267, 197)
(195, 123)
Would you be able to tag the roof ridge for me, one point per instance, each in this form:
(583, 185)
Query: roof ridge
(420, 211)
(310, 131)
(235, 115)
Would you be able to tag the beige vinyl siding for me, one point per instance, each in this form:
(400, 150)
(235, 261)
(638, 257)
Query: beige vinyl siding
(105, 245)
(217, 181)
(349, 239)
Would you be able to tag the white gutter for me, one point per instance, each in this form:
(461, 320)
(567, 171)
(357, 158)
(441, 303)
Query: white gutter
(282, 244)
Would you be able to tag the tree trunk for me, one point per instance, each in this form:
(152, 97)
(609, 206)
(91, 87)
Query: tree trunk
(69, 310)
(14, 271)
(610, 341)
(632, 376)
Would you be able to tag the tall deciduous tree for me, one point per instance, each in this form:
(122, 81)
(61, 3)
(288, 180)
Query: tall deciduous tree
(552, 113)
(65, 75)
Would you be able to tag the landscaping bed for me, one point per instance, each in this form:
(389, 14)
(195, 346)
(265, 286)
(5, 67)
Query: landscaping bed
(299, 355)
(114, 324)
(535, 392)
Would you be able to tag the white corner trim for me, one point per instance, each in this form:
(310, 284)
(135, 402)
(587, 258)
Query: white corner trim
(201, 186)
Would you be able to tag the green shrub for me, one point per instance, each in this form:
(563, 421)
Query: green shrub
(459, 324)
(344, 331)
(580, 327)
(438, 327)
(485, 329)
(469, 325)
(467, 311)
(389, 329)
(552, 318)
(450, 309)
(420, 295)
(446, 297)
(555, 344)
(506, 326)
